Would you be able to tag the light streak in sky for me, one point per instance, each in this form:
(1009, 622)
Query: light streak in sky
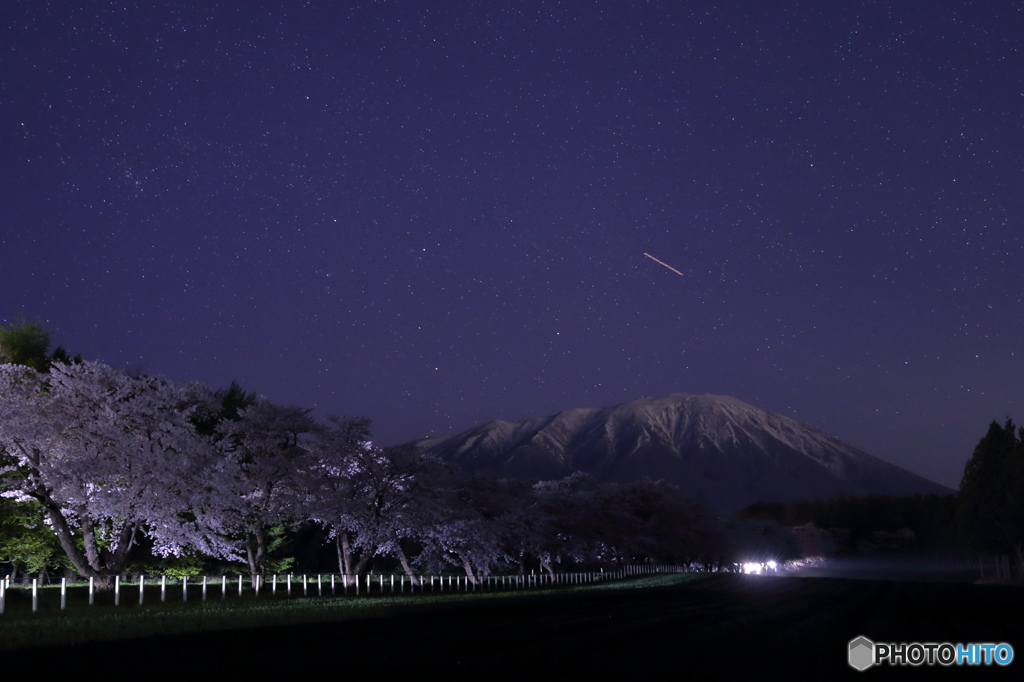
(662, 263)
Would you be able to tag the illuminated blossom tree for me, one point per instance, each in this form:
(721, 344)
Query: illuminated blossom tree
(330, 502)
(576, 520)
(560, 520)
(108, 456)
(371, 500)
(268, 470)
(480, 515)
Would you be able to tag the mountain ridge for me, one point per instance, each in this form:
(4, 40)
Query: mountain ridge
(718, 448)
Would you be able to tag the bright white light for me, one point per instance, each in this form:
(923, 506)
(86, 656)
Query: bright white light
(752, 568)
(772, 565)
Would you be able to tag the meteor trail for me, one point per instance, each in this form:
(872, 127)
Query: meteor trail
(662, 263)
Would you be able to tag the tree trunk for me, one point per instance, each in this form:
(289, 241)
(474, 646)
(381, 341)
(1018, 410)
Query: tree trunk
(92, 562)
(119, 557)
(256, 552)
(467, 566)
(92, 550)
(344, 553)
(402, 559)
(67, 541)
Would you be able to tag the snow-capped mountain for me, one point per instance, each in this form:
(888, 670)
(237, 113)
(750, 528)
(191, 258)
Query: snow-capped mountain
(721, 450)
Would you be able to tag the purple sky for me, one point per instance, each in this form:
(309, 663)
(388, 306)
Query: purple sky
(436, 214)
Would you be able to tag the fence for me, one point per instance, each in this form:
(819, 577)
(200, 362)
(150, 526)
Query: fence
(289, 585)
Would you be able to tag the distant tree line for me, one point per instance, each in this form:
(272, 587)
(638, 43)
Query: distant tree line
(867, 525)
(986, 517)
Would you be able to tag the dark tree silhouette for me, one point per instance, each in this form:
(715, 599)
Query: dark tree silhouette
(990, 507)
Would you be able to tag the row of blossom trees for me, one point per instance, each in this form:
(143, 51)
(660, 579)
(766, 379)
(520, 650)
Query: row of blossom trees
(111, 458)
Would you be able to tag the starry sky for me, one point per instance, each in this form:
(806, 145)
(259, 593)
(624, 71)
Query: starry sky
(435, 214)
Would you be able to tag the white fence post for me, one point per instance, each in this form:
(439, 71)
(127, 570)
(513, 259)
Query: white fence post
(92, 590)
(63, 593)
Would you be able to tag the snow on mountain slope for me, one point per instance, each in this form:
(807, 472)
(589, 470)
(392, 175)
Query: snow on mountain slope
(720, 449)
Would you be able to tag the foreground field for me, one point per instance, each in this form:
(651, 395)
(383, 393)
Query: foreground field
(715, 627)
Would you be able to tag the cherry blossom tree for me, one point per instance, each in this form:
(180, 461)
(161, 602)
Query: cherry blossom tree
(108, 456)
(330, 504)
(576, 520)
(646, 519)
(371, 500)
(268, 471)
(478, 516)
(560, 520)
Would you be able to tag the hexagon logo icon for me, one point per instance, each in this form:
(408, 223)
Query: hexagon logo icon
(861, 653)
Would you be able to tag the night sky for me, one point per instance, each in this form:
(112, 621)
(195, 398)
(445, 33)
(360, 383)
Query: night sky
(435, 214)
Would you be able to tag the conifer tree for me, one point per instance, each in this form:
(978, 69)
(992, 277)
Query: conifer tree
(990, 508)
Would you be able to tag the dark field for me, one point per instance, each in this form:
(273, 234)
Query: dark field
(720, 627)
